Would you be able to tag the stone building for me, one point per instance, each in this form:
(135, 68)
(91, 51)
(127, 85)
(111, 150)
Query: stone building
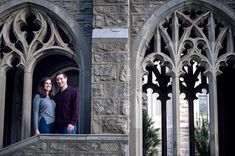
(106, 47)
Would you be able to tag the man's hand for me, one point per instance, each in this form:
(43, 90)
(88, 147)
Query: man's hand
(36, 132)
(70, 127)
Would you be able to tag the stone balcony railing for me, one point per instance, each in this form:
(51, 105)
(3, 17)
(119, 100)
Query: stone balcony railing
(70, 145)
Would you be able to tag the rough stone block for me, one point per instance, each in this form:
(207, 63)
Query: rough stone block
(104, 72)
(116, 90)
(110, 147)
(116, 57)
(109, 46)
(95, 126)
(114, 125)
(124, 75)
(104, 106)
(97, 57)
(97, 90)
(123, 109)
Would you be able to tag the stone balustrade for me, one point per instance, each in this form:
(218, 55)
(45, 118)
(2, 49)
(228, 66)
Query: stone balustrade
(70, 145)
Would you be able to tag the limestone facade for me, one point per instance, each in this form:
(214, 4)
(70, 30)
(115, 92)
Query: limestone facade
(107, 44)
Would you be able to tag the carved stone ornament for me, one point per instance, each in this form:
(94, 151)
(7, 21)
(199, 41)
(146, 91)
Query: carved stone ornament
(189, 44)
(192, 34)
(27, 32)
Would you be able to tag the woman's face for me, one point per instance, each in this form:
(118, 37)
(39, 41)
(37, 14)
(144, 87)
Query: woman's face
(47, 85)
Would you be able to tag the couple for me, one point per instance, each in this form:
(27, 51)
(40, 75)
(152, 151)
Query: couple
(59, 113)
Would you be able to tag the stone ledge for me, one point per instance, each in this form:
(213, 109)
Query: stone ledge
(110, 33)
(56, 143)
(84, 137)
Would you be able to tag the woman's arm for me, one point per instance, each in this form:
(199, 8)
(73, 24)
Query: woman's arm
(36, 103)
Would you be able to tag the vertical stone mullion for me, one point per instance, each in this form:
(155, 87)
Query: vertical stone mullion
(176, 115)
(214, 136)
(27, 103)
(2, 104)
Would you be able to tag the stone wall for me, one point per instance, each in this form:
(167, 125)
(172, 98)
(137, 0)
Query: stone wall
(110, 14)
(109, 87)
(110, 68)
(141, 10)
(73, 145)
(80, 10)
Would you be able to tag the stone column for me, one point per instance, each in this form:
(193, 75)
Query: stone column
(27, 104)
(110, 68)
(2, 104)
(176, 114)
(214, 136)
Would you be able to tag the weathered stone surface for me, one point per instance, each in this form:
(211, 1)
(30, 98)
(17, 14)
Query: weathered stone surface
(110, 47)
(116, 90)
(147, 1)
(113, 9)
(24, 154)
(104, 72)
(96, 126)
(110, 57)
(138, 20)
(98, 21)
(124, 73)
(114, 125)
(146, 8)
(115, 57)
(58, 147)
(81, 10)
(124, 149)
(115, 1)
(124, 107)
(105, 20)
(104, 106)
(115, 20)
(97, 90)
(42, 146)
(94, 145)
(109, 2)
(114, 147)
(86, 147)
(97, 57)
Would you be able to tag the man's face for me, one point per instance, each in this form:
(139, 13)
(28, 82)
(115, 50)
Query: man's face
(61, 80)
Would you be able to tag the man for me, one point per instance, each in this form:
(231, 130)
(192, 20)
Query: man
(67, 106)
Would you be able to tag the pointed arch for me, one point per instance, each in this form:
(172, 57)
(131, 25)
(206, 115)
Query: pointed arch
(138, 49)
(81, 55)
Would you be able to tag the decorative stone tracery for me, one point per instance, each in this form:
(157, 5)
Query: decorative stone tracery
(29, 31)
(26, 36)
(193, 44)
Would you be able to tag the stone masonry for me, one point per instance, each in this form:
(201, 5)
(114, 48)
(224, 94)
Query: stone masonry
(110, 68)
(111, 27)
(73, 145)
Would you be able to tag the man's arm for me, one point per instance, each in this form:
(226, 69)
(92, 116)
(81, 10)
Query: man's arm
(75, 110)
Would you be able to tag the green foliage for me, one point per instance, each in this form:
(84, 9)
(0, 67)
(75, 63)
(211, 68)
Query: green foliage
(202, 137)
(150, 136)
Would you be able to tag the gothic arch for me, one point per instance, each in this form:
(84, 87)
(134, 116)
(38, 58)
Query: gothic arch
(43, 11)
(139, 47)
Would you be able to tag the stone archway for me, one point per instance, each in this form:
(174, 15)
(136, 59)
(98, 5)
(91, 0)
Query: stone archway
(30, 33)
(139, 48)
(49, 66)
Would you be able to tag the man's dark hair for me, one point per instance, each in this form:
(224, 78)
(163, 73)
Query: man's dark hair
(59, 73)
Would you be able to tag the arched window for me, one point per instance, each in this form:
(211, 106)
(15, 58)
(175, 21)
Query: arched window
(187, 48)
(35, 42)
(189, 45)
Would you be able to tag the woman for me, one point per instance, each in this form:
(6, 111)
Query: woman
(44, 108)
